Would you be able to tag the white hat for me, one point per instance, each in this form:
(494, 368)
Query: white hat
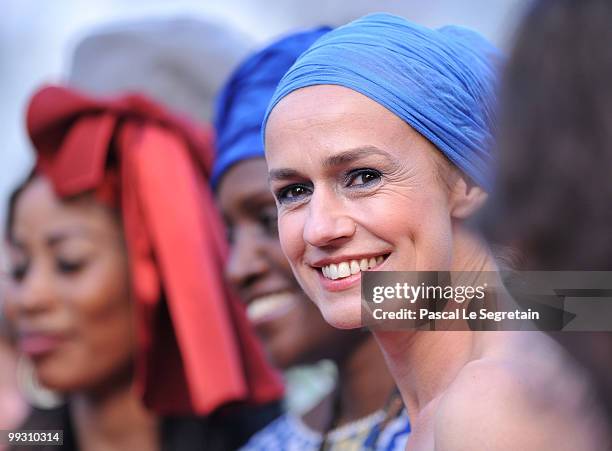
(180, 62)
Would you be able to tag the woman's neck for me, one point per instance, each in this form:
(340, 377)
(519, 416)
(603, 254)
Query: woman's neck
(425, 363)
(364, 382)
(364, 386)
(113, 419)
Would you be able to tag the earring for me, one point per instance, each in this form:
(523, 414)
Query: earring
(34, 393)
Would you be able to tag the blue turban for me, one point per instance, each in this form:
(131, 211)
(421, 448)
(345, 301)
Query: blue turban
(441, 82)
(242, 103)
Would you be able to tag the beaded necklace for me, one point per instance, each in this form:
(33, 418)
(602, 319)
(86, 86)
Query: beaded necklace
(377, 421)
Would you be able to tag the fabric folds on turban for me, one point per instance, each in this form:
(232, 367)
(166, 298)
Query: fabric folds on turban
(242, 102)
(196, 348)
(441, 82)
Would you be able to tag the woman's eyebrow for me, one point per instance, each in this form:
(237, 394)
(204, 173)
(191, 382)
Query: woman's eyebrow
(282, 174)
(340, 159)
(17, 243)
(257, 201)
(354, 154)
(56, 238)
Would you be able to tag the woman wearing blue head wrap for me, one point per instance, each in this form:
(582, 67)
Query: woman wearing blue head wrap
(377, 147)
(291, 327)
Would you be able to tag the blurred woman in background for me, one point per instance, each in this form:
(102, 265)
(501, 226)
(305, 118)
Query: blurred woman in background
(364, 411)
(116, 293)
(553, 186)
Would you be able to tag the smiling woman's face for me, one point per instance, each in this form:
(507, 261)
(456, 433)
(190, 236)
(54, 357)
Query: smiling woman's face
(357, 189)
(68, 297)
(291, 327)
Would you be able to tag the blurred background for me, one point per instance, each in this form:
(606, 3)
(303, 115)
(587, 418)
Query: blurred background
(37, 38)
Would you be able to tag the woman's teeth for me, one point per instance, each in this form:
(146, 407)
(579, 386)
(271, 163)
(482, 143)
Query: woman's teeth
(270, 305)
(347, 268)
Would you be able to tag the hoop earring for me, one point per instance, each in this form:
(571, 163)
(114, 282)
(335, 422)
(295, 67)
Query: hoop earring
(34, 393)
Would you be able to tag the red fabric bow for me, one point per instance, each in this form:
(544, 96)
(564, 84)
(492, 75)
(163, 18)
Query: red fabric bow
(197, 349)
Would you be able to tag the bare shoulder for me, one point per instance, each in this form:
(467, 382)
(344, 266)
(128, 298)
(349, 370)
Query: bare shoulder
(510, 400)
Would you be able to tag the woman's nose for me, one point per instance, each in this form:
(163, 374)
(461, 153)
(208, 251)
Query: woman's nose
(327, 222)
(246, 262)
(34, 292)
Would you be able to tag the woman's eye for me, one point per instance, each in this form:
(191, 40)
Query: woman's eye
(269, 222)
(18, 272)
(292, 193)
(70, 266)
(229, 234)
(363, 177)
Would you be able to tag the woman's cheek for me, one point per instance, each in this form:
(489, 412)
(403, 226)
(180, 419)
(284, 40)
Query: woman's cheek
(8, 306)
(290, 227)
(433, 242)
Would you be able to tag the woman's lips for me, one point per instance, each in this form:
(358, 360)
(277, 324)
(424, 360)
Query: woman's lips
(270, 306)
(344, 283)
(35, 345)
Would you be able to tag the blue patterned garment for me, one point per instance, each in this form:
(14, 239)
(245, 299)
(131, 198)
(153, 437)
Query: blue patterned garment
(289, 433)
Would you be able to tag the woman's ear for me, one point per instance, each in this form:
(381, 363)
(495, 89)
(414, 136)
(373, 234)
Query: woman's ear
(466, 198)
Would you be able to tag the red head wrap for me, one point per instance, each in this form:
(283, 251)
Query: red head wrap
(197, 350)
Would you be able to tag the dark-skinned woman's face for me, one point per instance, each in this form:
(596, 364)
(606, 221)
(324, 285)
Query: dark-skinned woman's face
(290, 325)
(68, 295)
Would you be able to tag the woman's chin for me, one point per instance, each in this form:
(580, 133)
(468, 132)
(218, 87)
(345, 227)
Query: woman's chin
(343, 316)
(60, 383)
